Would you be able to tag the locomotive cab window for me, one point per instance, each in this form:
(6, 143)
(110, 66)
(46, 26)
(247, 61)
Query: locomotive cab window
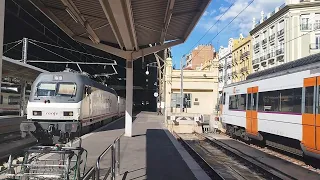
(56, 89)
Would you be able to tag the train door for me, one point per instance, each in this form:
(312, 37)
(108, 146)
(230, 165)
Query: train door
(311, 114)
(251, 113)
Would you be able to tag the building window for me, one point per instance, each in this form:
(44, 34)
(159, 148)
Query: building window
(1, 99)
(305, 22)
(317, 41)
(13, 100)
(281, 25)
(176, 99)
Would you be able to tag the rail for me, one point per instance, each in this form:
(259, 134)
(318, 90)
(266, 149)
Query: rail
(94, 173)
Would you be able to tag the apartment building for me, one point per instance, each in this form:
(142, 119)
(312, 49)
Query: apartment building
(225, 65)
(199, 56)
(241, 58)
(290, 32)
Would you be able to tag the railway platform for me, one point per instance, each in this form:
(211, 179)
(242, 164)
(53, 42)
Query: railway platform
(151, 153)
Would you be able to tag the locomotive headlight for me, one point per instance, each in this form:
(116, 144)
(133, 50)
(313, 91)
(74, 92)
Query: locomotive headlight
(37, 113)
(67, 113)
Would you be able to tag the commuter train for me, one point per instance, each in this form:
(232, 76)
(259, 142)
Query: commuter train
(64, 105)
(10, 101)
(280, 107)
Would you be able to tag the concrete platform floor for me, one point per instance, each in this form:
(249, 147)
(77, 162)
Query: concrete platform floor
(151, 153)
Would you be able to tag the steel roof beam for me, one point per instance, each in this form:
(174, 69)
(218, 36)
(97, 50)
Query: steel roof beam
(167, 19)
(154, 49)
(120, 17)
(103, 47)
(75, 12)
(50, 15)
(196, 18)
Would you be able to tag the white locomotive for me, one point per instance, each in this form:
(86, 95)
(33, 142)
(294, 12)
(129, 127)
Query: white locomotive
(279, 106)
(63, 105)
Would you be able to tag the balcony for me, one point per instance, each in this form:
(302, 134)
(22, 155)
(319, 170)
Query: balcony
(256, 46)
(264, 41)
(235, 74)
(305, 27)
(271, 38)
(280, 52)
(271, 55)
(256, 61)
(280, 58)
(261, 58)
(316, 26)
(245, 54)
(244, 70)
(314, 48)
(280, 34)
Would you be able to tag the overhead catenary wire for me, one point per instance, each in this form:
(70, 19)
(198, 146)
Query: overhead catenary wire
(213, 25)
(226, 26)
(12, 47)
(67, 49)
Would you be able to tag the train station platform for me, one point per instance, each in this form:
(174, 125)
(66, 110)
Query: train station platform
(151, 153)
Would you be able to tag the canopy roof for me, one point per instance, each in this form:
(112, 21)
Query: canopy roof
(125, 28)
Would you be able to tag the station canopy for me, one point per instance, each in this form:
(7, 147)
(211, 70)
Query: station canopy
(17, 69)
(127, 28)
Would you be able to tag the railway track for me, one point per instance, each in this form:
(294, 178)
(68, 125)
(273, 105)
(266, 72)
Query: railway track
(221, 161)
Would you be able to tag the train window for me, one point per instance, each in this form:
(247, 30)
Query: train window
(254, 104)
(67, 89)
(237, 102)
(242, 102)
(233, 102)
(309, 100)
(288, 100)
(46, 89)
(13, 100)
(1, 99)
(249, 102)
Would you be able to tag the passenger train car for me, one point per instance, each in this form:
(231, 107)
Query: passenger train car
(279, 106)
(63, 105)
(10, 101)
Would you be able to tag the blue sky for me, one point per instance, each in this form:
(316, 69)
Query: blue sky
(242, 24)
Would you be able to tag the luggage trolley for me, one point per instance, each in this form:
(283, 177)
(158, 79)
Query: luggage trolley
(50, 162)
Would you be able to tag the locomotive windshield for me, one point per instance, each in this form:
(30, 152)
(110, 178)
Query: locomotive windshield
(56, 89)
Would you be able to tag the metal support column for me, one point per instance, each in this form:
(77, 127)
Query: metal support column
(181, 86)
(2, 12)
(23, 82)
(129, 98)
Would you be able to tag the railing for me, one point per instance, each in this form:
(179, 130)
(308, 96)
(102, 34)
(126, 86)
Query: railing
(314, 46)
(256, 61)
(114, 170)
(245, 54)
(264, 41)
(281, 32)
(280, 51)
(272, 37)
(316, 26)
(305, 27)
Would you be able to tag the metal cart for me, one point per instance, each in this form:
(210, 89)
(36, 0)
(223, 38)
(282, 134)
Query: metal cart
(49, 162)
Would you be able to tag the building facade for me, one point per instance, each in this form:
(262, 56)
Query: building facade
(241, 58)
(290, 32)
(199, 56)
(225, 65)
(200, 89)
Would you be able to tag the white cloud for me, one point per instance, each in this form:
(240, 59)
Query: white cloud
(243, 22)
